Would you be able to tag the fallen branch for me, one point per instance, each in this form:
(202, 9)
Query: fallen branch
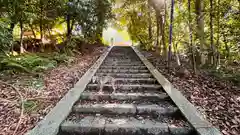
(22, 105)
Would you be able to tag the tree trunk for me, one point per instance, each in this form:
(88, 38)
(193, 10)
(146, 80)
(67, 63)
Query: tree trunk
(227, 49)
(149, 23)
(34, 34)
(163, 21)
(170, 36)
(200, 28)
(21, 37)
(212, 52)
(162, 25)
(177, 54)
(41, 20)
(12, 25)
(158, 45)
(218, 33)
(192, 49)
(68, 19)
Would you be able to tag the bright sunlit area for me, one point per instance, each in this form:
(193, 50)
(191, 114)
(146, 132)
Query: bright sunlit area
(114, 36)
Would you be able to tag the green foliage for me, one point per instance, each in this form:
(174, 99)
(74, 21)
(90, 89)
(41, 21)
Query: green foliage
(5, 36)
(29, 63)
(92, 16)
(134, 16)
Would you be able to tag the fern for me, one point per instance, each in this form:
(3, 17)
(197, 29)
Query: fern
(8, 64)
(26, 63)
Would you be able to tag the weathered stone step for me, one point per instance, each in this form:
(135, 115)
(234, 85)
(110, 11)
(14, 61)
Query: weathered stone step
(123, 96)
(123, 64)
(122, 61)
(99, 125)
(120, 109)
(96, 80)
(122, 57)
(125, 87)
(123, 67)
(122, 75)
(122, 71)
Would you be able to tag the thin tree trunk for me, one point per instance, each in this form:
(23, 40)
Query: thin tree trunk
(218, 33)
(149, 23)
(212, 53)
(190, 37)
(21, 37)
(163, 36)
(41, 20)
(170, 36)
(164, 22)
(177, 54)
(68, 25)
(158, 45)
(227, 54)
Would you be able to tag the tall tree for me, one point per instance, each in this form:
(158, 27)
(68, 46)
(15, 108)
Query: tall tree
(149, 22)
(212, 53)
(192, 49)
(170, 35)
(199, 7)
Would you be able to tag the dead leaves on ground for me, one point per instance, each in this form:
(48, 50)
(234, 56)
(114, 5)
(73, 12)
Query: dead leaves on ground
(38, 102)
(217, 100)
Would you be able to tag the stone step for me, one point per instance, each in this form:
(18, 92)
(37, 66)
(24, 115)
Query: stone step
(123, 96)
(122, 60)
(123, 67)
(122, 57)
(96, 80)
(123, 64)
(125, 87)
(122, 75)
(122, 71)
(130, 109)
(101, 125)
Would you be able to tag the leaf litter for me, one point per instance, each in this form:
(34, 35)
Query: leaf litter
(40, 95)
(218, 100)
